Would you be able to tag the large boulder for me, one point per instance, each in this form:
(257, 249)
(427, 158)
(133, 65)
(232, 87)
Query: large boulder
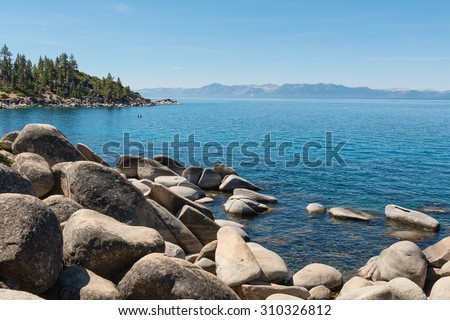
(355, 283)
(89, 154)
(151, 169)
(8, 139)
(350, 214)
(411, 217)
(8, 294)
(375, 292)
(273, 267)
(235, 262)
(439, 253)
(30, 244)
(233, 181)
(105, 245)
(200, 225)
(208, 251)
(261, 291)
(256, 196)
(128, 165)
(46, 141)
(192, 174)
(402, 259)
(173, 202)
(405, 289)
(12, 181)
(35, 168)
(209, 180)
(62, 206)
(441, 289)
(224, 170)
(317, 274)
(157, 277)
(186, 192)
(102, 189)
(171, 163)
(78, 283)
(181, 234)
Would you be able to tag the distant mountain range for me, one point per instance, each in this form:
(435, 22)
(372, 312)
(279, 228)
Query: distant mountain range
(312, 91)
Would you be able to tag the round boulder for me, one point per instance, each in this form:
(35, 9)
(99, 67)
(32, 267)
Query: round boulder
(315, 208)
(317, 274)
(12, 181)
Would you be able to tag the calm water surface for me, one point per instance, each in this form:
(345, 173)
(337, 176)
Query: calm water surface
(396, 152)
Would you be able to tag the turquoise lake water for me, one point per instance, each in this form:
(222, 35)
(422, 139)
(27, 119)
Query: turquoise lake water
(395, 151)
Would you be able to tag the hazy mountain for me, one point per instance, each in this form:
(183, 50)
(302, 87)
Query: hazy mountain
(319, 90)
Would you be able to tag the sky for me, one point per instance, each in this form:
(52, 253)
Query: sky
(179, 43)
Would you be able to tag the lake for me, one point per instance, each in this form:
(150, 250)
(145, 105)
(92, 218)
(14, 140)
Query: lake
(361, 154)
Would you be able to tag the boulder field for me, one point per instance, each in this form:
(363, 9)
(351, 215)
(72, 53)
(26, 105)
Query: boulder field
(74, 228)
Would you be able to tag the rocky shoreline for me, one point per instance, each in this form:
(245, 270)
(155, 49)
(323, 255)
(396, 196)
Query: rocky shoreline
(75, 228)
(15, 102)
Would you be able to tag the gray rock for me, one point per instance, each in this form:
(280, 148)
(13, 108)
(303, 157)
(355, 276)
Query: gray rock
(273, 267)
(192, 174)
(378, 292)
(151, 169)
(224, 170)
(405, 289)
(282, 296)
(315, 208)
(186, 192)
(254, 195)
(204, 200)
(8, 139)
(128, 165)
(208, 251)
(145, 189)
(157, 277)
(172, 164)
(78, 283)
(89, 154)
(210, 180)
(264, 290)
(233, 181)
(317, 274)
(174, 251)
(7, 294)
(172, 181)
(200, 225)
(402, 259)
(46, 141)
(239, 208)
(62, 206)
(207, 265)
(441, 289)
(35, 168)
(12, 181)
(351, 214)
(223, 223)
(235, 262)
(255, 205)
(173, 202)
(411, 217)
(181, 234)
(147, 182)
(445, 270)
(439, 253)
(320, 293)
(105, 245)
(102, 189)
(30, 243)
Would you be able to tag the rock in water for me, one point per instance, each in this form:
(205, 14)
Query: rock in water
(105, 245)
(317, 274)
(151, 169)
(62, 206)
(402, 259)
(48, 142)
(157, 277)
(439, 253)
(235, 262)
(102, 189)
(78, 283)
(259, 197)
(233, 181)
(30, 243)
(192, 174)
(172, 164)
(209, 180)
(224, 170)
(12, 181)
(35, 168)
(343, 213)
(411, 217)
(315, 208)
(273, 267)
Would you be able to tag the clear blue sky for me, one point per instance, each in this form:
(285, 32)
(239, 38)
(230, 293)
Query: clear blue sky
(180, 43)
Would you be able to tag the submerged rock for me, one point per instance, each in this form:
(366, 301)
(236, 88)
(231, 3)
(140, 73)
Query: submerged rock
(315, 208)
(351, 214)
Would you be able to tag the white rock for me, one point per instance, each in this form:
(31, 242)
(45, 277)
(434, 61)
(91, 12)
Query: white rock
(317, 274)
(411, 217)
(315, 208)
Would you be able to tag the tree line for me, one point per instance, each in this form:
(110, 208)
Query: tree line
(60, 76)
